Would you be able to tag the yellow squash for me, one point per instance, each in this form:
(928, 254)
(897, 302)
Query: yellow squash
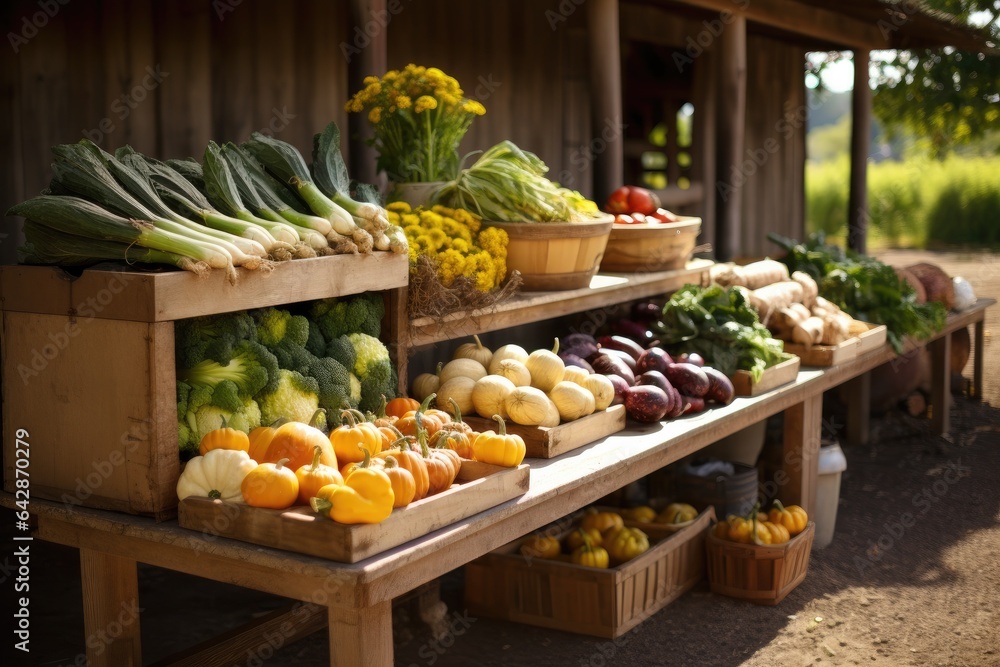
(366, 496)
(502, 449)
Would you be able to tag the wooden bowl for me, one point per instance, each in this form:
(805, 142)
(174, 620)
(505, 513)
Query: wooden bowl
(651, 246)
(555, 255)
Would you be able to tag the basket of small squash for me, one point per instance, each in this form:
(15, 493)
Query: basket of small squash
(372, 483)
(592, 574)
(760, 557)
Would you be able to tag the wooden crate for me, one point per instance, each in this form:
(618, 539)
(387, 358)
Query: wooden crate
(773, 377)
(603, 603)
(762, 574)
(543, 442)
(832, 355)
(479, 486)
(88, 367)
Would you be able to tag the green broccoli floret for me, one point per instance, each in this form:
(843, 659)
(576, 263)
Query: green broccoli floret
(211, 337)
(296, 398)
(184, 442)
(252, 369)
(204, 413)
(316, 344)
(276, 326)
(358, 314)
(341, 349)
(374, 368)
(294, 358)
(334, 384)
(355, 395)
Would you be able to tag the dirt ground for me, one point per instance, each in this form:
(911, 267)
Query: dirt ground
(911, 577)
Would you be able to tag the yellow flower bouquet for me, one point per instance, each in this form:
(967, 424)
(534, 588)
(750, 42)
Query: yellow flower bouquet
(419, 116)
(455, 263)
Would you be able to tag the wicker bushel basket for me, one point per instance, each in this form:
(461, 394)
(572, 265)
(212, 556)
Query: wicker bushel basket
(762, 574)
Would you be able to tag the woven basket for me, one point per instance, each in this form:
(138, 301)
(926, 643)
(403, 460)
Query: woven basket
(762, 574)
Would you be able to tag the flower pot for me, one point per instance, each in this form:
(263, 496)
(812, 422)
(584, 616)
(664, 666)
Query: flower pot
(415, 194)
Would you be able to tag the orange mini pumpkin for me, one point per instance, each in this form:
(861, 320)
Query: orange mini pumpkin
(270, 485)
(314, 477)
(404, 487)
(296, 442)
(224, 437)
(398, 407)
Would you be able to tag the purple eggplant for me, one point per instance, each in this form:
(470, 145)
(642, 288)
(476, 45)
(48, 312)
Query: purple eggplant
(618, 354)
(611, 365)
(693, 404)
(621, 388)
(646, 311)
(636, 331)
(677, 403)
(720, 387)
(621, 343)
(570, 340)
(689, 379)
(655, 378)
(579, 348)
(647, 403)
(653, 359)
(574, 360)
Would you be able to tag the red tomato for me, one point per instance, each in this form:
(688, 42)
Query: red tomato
(641, 200)
(618, 201)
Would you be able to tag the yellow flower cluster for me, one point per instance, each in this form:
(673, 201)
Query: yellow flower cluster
(419, 116)
(455, 240)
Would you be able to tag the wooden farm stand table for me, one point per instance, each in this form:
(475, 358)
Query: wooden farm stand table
(355, 601)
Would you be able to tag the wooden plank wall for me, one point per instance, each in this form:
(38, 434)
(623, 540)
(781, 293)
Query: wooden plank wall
(225, 68)
(774, 193)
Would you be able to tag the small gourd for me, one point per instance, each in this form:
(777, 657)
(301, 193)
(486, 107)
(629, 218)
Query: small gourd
(346, 438)
(576, 374)
(500, 448)
(426, 384)
(314, 477)
(224, 437)
(459, 390)
(552, 417)
(527, 406)
(296, 441)
(509, 351)
(475, 351)
(469, 368)
(546, 368)
(572, 400)
(217, 475)
(489, 393)
(271, 485)
(513, 370)
(601, 388)
(403, 485)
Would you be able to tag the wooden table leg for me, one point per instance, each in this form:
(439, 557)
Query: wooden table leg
(361, 636)
(941, 384)
(859, 409)
(800, 453)
(110, 609)
(977, 363)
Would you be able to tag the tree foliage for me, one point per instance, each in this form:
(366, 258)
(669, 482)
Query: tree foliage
(947, 96)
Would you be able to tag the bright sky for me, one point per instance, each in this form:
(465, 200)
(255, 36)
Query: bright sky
(838, 77)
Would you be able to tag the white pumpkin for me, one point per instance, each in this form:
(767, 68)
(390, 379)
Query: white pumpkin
(509, 351)
(572, 400)
(602, 389)
(527, 406)
(489, 394)
(426, 384)
(475, 351)
(469, 368)
(217, 475)
(460, 389)
(513, 370)
(546, 368)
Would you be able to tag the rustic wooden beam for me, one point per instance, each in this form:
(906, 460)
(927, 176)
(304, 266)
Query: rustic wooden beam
(800, 18)
(730, 131)
(110, 609)
(861, 127)
(371, 61)
(606, 96)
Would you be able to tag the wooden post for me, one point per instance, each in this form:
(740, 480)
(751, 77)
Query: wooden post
(861, 126)
(859, 409)
(110, 609)
(730, 131)
(372, 61)
(800, 452)
(977, 362)
(606, 96)
(941, 384)
(361, 636)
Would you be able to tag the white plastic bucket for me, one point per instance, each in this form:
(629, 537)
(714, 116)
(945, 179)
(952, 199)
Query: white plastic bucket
(832, 464)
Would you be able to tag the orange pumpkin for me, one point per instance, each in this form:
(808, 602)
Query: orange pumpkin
(442, 464)
(261, 437)
(314, 477)
(372, 462)
(404, 487)
(413, 462)
(381, 418)
(224, 437)
(346, 439)
(296, 442)
(431, 419)
(398, 407)
(270, 485)
(455, 435)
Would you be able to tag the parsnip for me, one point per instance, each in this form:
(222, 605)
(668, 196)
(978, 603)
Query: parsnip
(802, 312)
(810, 290)
(835, 329)
(762, 273)
(772, 298)
(809, 332)
(784, 321)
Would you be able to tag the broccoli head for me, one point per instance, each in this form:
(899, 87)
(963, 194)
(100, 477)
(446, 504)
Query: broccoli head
(358, 314)
(251, 370)
(212, 337)
(374, 368)
(204, 413)
(316, 344)
(276, 326)
(296, 398)
(334, 384)
(293, 358)
(341, 349)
